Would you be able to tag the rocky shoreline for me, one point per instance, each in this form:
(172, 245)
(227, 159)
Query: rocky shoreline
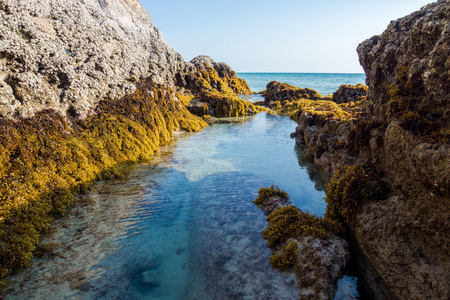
(86, 89)
(389, 154)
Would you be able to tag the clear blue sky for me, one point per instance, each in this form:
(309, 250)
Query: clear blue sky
(276, 36)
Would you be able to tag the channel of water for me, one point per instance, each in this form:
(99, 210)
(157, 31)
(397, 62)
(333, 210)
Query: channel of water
(182, 226)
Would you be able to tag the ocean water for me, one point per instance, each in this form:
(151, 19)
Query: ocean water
(324, 83)
(183, 226)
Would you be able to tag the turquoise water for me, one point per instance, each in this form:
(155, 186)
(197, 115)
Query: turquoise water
(324, 83)
(183, 226)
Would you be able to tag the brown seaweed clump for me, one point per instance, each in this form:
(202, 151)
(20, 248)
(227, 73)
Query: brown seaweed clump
(304, 244)
(46, 159)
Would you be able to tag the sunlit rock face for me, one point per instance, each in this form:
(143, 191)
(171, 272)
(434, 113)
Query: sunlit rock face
(68, 55)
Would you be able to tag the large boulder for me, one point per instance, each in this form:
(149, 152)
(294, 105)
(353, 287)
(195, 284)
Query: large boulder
(68, 55)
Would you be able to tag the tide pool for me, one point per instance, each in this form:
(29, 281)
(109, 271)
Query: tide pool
(183, 226)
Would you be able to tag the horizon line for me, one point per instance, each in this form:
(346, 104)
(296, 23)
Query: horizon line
(300, 72)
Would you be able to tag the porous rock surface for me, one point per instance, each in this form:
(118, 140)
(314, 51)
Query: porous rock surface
(68, 55)
(413, 54)
(350, 93)
(320, 262)
(404, 237)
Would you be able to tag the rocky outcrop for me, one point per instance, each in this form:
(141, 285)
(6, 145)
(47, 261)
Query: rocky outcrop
(350, 93)
(216, 87)
(400, 142)
(407, 66)
(87, 87)
(304, 244)
(277, 91)
(67, 56)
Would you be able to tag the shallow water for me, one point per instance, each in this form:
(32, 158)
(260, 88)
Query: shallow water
(183, 226)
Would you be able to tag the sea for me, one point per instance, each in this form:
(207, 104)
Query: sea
(324, 83)
(183, 226)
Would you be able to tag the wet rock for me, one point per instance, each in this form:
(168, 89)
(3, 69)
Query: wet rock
(320, 265)
(319, 256)
(199, 108)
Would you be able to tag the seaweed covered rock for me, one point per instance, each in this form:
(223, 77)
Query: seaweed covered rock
(304, 244)
(45, 161)
(218, 104)
(282, 92)
(407, 69)
(206, 74)
(323, 129)
(215, 88)
(396, 210)
(350, 93)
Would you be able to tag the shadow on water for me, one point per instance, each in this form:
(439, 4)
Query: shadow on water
(316, 173)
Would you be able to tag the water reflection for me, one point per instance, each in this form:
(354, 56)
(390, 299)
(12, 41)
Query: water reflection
(316, 173)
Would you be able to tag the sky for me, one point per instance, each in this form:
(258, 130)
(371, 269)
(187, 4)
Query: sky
(300, 36)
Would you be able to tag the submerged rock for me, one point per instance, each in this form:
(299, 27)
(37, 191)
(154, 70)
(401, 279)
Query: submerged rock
(303, 244)
(151, 278)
